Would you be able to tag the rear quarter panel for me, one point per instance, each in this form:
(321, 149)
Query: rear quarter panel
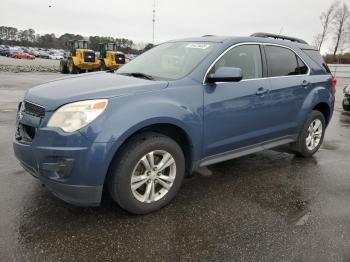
(320, 91)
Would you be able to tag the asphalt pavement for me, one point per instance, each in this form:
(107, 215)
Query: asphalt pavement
(269, 206)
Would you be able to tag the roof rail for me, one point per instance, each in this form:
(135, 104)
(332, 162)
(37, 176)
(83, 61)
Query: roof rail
(207, 35)
(283, 37)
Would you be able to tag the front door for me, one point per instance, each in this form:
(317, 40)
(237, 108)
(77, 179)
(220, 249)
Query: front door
(236, 114)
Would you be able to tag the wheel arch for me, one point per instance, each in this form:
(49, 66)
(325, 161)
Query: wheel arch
(325, 109)
(172, 130)
(320, 99)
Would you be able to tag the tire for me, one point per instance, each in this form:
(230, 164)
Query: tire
(346, 107)
(72, 69)
(63, 66)
(127, 163)
(304, 148)
(103, 65)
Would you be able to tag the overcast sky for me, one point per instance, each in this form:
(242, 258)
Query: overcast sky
(174, 18)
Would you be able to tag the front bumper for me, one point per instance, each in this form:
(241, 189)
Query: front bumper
(73, 194)
(88, 65)
(69, 165)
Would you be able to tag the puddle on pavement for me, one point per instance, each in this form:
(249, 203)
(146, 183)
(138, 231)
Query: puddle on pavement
(330, 145)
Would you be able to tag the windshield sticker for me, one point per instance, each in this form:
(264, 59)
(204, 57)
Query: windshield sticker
(198, 45)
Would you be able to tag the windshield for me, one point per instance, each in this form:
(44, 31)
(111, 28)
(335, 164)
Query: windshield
(110, 47)
(170, 60)
(80, 44)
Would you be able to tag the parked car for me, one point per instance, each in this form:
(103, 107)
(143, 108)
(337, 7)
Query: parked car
(56, 56)
(31, 51)
(130, 56)
(43, 54)
(3, 51)
(13, 50)
(346, 99)
(139, 130)
(22, 56)
(36, 53)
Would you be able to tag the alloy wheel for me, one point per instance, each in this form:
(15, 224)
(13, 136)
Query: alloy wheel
(153, 176)
(314, 134)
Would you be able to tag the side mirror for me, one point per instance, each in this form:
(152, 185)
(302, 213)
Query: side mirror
(226, 74)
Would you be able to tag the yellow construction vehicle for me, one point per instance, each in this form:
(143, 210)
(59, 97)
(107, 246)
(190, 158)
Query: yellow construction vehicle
(80, 58)
(110, 58)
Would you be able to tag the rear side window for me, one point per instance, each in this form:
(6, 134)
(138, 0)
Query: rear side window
(318, 59)
(245, 57)
(303, 69)
(284, 62)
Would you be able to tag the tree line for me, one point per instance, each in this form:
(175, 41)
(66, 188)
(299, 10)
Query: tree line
(29, 38)
(335, 23)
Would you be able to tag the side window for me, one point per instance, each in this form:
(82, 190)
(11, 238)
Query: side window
(283, 62)
(316, 57)
(245, 57)
(303, 69)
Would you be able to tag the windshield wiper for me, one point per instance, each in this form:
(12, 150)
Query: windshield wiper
(139, 74)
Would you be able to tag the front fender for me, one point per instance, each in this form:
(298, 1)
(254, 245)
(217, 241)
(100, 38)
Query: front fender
(75, 60)
(128, 114)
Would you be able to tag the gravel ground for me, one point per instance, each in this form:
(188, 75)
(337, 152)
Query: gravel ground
(25, 65)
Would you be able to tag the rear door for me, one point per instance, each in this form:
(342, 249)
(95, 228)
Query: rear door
(290, 82)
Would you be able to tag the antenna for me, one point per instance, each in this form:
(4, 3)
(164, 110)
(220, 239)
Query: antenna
(154, 19)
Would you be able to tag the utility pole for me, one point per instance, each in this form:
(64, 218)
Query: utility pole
(154, 19)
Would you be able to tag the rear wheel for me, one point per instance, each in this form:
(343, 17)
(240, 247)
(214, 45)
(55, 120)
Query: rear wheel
(147, 174)
(311, 136)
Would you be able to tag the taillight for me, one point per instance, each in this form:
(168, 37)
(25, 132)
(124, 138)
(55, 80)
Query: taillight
(334, 84)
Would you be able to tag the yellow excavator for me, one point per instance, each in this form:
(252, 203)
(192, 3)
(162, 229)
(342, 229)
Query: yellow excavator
(80, 58)
(110, 58)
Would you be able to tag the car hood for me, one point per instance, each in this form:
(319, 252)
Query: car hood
(55, 93)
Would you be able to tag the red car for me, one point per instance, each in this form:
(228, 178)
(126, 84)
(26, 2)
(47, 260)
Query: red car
(22, 56)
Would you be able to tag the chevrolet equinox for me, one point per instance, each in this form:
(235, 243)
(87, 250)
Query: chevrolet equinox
(184, 104)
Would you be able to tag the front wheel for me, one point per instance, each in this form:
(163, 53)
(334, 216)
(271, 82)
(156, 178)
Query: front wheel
(72, 69)
(63, 66)
(147, 173)
(311, 136)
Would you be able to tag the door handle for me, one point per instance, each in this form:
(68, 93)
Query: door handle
(262, 91)
(305, 83)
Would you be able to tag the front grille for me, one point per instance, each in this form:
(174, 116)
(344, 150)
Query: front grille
(33, 109)
(25, 134)
(89, 56)
(120, 58)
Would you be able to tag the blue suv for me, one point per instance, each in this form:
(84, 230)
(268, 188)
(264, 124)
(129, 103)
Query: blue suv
(184, 104)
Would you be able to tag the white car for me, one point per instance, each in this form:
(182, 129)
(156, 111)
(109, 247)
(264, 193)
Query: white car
(56, 56)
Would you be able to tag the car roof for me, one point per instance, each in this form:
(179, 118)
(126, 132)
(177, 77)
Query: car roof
(238, 39)
(209, 38)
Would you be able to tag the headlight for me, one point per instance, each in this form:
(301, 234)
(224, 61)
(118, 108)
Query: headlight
(74, 116)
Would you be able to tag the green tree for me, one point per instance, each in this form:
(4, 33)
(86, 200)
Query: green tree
(148, 47)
